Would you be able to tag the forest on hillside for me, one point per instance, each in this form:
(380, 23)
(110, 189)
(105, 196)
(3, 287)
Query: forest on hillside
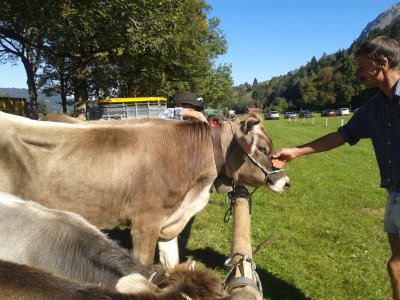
(328, 82)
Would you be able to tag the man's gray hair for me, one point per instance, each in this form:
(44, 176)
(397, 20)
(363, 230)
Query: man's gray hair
(379, 48)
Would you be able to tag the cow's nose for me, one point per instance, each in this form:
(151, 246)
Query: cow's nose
(287, 184)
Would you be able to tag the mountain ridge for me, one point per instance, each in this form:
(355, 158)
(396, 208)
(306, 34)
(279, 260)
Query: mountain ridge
(382, 20)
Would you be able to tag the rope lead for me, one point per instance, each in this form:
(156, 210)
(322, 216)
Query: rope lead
(239, 191)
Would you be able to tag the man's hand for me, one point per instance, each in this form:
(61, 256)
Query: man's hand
(282, 156)
(189, 114)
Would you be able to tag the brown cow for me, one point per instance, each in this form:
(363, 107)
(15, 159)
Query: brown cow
(23, 282)
(150, 174)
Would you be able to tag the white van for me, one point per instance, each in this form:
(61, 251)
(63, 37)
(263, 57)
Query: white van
(342, 111)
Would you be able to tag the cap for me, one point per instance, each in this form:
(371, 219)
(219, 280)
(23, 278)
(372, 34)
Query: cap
(188, 97)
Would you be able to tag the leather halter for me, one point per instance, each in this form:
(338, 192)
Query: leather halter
(222, 183)
(253, 160)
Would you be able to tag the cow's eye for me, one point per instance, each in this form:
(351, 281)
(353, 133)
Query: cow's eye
(262, 149)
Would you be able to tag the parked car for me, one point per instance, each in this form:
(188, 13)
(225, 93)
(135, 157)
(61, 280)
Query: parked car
(291, 115)
(343, 111)
(272, 115)
(305, 114)
(328, 113)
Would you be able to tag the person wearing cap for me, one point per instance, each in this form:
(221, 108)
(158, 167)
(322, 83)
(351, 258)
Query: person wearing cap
(186, 107)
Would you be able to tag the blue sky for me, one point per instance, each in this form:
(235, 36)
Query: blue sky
(268, 38)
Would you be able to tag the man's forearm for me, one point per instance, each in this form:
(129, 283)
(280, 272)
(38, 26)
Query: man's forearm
(325, 143)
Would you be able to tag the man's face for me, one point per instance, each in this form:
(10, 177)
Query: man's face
(368, 72)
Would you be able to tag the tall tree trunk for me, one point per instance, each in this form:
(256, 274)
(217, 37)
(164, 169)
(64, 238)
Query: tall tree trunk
(81, 90)
(32, 91)
(132, 88)
(63, 90)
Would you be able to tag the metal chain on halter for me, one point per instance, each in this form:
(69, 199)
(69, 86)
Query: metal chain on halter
(239, 191)
(231, 265)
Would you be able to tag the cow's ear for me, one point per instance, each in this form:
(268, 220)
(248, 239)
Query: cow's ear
(249, 123)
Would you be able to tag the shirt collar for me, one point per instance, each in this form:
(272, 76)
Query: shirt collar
(397, 91)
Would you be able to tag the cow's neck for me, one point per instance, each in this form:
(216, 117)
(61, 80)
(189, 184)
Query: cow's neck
(223, 137)
(217, 148)
(227, 137)
(223, 183)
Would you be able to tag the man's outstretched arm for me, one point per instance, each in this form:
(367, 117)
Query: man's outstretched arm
(324, 143)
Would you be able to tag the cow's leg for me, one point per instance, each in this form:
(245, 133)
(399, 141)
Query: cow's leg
(144, 238)
(169, 253)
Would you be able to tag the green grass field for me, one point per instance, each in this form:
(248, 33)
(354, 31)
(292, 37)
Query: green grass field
(329, 241)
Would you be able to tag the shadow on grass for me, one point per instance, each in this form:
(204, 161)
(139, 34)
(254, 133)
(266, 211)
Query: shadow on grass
(273, 287)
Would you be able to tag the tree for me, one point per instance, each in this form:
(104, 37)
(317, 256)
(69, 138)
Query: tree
(308, 92)
(22, 37)
(216, 89)
(115, 48)
(255, 82)
(85, 33)
(280, 104)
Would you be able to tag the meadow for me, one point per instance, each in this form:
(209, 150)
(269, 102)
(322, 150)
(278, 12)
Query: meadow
(328, 239)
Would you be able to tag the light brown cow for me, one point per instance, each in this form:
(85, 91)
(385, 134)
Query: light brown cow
(150, 174)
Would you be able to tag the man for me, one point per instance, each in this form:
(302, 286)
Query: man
(186, 107)
(378, 65)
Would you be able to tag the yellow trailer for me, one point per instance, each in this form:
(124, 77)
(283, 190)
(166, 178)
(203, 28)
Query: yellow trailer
(125, 108)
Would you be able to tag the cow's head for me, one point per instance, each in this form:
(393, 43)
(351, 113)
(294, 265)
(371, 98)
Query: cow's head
(248, 155)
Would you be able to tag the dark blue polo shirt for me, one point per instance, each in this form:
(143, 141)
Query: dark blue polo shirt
(379, 120)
